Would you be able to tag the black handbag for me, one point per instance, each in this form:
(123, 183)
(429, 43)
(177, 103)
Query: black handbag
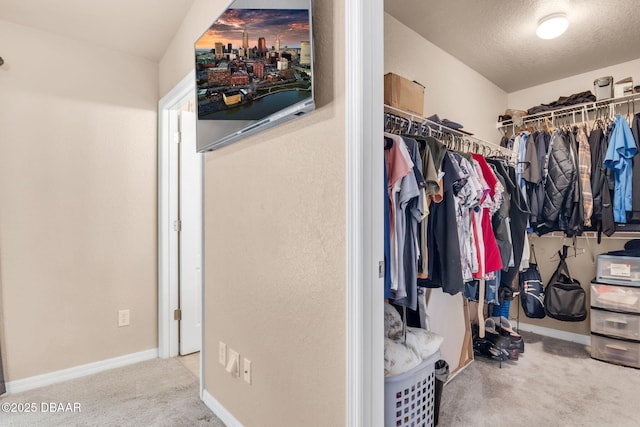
(564, 297)
(532, 290)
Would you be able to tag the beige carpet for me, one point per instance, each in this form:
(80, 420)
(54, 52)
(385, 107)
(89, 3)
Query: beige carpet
(555, 383)
(161, 392)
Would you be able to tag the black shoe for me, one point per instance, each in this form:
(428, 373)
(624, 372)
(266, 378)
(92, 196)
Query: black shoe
(486, 348)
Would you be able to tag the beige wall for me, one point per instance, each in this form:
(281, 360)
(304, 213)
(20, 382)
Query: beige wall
(77, 202)
(179, 57)
(582, 267)
(453, 90)
(275, 247)
(548, 92)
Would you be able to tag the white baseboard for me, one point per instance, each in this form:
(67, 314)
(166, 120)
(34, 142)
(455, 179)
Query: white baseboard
(79, 371)
(220, 411)
(554, 333)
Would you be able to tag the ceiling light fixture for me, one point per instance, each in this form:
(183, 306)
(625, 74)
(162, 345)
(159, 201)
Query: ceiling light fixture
(552, 26)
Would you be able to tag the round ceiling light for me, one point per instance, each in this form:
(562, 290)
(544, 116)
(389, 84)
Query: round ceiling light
(552, 26)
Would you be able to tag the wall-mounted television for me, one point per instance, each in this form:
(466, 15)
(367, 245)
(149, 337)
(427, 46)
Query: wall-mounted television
(253, 70)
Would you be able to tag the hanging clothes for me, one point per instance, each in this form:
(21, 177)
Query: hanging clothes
(619, 156)
(521, 145)
(535, 175)
(427, 146)
(584, 173)
(518, 216)
(387, 234)
(559, 184)
(572, 219)
(500, 223)
(412, 202)
(440, 210)
(492, 258)
(602, 217)
(635, 179)
(398, 167)
(596, 140)
(464, 201)
(444, 268)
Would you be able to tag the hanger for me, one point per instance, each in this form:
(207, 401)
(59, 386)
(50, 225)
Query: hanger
(565, 250)
(388, 143)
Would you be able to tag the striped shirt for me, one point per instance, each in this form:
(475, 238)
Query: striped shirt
(584, 173)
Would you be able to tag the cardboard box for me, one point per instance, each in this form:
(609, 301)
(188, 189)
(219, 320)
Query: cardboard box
(403, 94)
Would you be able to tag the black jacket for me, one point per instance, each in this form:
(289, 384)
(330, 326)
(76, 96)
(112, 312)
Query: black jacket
(574, 207)
(535, 185)
(445, 269)
(602, 218)
(598, 148)
(518, 213)
(559, 185)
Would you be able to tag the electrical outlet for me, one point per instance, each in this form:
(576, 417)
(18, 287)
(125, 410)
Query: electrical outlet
(222, 354)
(123, 317)
(246, 369)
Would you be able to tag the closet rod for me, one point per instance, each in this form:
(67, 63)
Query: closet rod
(586, 107)
(443, 128)
(618, 235)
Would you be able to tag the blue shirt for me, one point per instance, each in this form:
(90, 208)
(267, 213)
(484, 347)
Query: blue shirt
(622, 148)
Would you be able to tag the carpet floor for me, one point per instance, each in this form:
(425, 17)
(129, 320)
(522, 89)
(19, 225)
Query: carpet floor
(554, 383)
(160, 392)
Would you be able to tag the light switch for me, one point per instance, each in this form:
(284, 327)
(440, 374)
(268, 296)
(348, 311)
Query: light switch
(222, 354)
(233, 363)
(123, 317)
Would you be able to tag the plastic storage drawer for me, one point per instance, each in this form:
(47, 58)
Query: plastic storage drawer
(612, 297)
(618, 269)
(616, 324)
(621, 352)
(409, 397)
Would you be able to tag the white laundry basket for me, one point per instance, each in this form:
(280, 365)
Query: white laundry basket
(409, 397)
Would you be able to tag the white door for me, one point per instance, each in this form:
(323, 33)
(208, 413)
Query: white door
(191, 233)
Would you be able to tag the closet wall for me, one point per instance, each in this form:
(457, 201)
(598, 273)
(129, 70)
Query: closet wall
(275, 245)
(545, 93)
(453, 90)
(583, 266)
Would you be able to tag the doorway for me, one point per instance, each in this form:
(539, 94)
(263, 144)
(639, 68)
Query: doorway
(180, 224)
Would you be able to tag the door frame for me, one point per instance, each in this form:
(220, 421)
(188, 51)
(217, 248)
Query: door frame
(364, 68)
(168, 238)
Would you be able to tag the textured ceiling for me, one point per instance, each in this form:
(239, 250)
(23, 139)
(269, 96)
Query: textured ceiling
(142, 28)
(497, 37)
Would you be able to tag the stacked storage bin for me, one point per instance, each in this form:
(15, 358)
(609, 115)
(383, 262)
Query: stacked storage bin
(615, 310)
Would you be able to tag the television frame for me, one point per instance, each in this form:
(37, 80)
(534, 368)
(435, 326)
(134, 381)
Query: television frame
(212, 134)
